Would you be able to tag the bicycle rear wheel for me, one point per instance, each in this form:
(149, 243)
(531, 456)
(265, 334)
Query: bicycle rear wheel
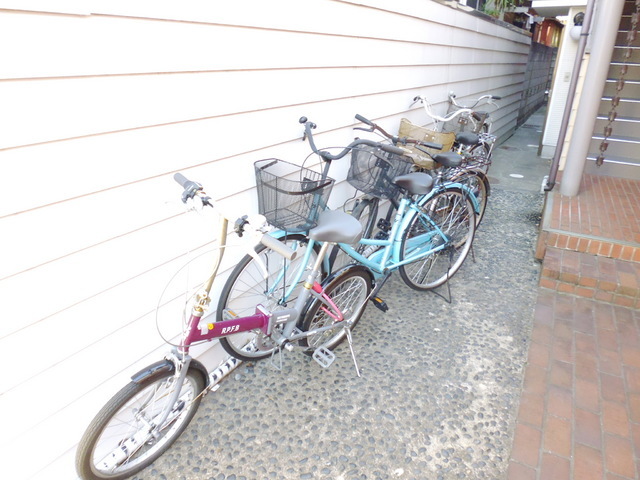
(478, 185)
(445, 222)
(349, 290)
(247, 287)
(123, 438)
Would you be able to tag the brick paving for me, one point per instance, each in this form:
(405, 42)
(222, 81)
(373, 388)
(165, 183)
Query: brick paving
(601, 278)
(579, 414)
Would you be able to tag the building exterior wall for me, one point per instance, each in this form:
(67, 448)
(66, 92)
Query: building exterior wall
(560, 89)
(540, 67)
(102, 101)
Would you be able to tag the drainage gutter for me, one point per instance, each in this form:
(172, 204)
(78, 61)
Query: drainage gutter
(577, 64)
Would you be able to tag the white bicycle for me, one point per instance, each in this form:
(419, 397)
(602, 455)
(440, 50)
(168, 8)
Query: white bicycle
(472, 128)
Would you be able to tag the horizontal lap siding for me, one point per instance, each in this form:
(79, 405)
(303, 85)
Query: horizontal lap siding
(102, 107)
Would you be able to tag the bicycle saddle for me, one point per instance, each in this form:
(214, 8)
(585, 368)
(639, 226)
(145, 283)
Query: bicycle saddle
(480, 116)
(415, 183)
(448, 159)
(336, 226)
(467, 138)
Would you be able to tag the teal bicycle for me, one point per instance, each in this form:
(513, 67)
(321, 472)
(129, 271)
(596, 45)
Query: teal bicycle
(427, 242)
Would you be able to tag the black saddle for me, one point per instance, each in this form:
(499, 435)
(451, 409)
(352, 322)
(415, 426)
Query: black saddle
(467, 138)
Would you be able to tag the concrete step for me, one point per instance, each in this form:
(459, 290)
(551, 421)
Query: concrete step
(631, 89)
(633, 71)
(619, 146)
(621, 38)
(620, 54)
(591, 276)
(628, 107)
(624, 126)
(613, 166)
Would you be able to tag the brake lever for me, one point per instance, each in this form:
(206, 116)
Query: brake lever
(239, 225)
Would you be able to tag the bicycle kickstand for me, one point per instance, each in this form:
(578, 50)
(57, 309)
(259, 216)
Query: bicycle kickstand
(280, 352)
(353, 353)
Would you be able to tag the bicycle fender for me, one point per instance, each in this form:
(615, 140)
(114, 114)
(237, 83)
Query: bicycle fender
(346, 269)
(332, 277)
(162, 367)
(452, 186)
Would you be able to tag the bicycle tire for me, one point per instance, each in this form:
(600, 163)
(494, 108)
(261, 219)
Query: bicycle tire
(111, 431)
(246, 288)
(348, 289)
(452, 211)
(365, 210)
(478, 183)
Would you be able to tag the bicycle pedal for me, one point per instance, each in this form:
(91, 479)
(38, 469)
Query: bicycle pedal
(324, 357)
(381, 236)
(380, 304)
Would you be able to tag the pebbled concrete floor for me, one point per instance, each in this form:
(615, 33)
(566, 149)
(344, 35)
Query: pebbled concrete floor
(440, 384)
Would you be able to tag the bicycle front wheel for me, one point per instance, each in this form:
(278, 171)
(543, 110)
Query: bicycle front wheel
(348, 290)
(247, 287)
(366, 211)
(125, 437)
(445, 224)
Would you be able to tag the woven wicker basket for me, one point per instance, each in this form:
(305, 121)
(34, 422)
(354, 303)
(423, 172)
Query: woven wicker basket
(408, 129)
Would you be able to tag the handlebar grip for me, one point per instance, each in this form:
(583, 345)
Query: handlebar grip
(435, 146)
(360, 118)
(181, 179)
(496, 97)
(191, 189)
(392, 149)
(278, 246)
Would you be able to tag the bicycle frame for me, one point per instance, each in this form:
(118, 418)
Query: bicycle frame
(387, 258)
(197, 331)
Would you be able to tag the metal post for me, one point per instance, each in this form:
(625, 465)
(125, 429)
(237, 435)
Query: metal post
(605, 27)
(582, 44)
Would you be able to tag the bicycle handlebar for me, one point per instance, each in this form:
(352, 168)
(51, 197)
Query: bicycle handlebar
(308, 126)
(193, 189)
(275, 244)
(487, 99)
(394, 139)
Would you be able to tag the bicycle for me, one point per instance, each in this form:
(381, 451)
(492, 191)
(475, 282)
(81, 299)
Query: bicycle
(379, 173)
(472, 128)
(477, 121)
(427, 242)
(445, 168)
(144, 418)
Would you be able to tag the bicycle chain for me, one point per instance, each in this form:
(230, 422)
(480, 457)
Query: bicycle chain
(615, 100)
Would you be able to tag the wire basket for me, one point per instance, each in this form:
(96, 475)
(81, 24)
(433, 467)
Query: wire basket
(373, 171)
(290, 196)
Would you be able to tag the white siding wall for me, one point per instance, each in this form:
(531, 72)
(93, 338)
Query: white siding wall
(102, 101)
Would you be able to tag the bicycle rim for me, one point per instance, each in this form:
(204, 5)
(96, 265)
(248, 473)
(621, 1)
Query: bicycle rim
(349, 291)
(122, 439)
(247, 287)
(478, 186)
(450, 233)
